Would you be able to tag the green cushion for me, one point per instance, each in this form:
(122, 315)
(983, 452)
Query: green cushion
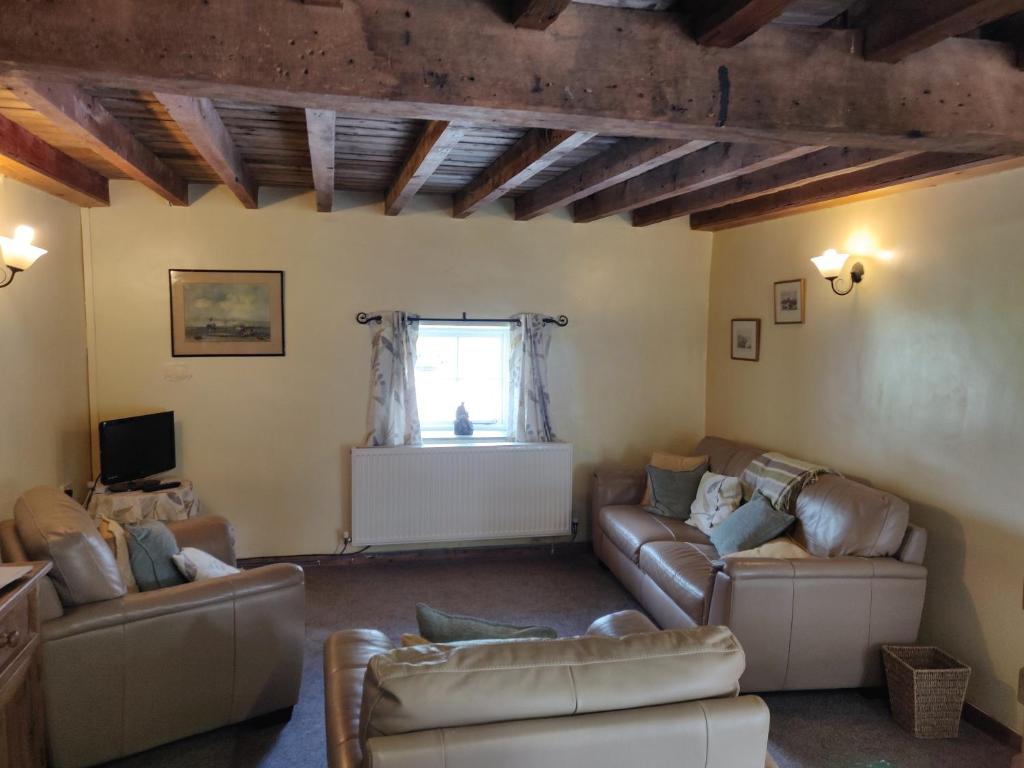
(751, 525)
(440, 627)
(673, 493)
(150, 548)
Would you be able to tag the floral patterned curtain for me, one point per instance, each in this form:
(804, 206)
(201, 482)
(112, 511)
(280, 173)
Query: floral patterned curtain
(531, 402)
(392, 417)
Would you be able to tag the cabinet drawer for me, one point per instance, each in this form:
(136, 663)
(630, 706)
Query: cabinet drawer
(14, 632)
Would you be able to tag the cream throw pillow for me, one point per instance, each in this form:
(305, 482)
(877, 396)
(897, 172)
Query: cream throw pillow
(672, 462)
(196, 565)
(783, 548)
(718, 496)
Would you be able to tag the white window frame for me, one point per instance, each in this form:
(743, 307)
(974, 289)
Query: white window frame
(484, 432)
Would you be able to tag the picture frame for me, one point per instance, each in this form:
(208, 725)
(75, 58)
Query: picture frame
(790, 301)
(226, 312)
(746, 339)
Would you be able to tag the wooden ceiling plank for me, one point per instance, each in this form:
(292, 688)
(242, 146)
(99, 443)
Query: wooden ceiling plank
(728, 22)
(537, 14)
(823, 164)
(198, 118)
(709, 166)
(895, 30)
(320, 124)
(924, 167)
(30, 160)
(626, 160)
(537, 150)
(87, 120)
(438, 140)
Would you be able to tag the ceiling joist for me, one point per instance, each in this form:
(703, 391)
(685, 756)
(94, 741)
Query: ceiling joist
(538, 14)
(320, 132)
(728, 22)
(438, 140)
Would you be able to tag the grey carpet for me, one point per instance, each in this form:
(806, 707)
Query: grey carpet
(841, 729)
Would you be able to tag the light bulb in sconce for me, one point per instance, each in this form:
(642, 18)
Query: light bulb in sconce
(18, 252)
(830, 264)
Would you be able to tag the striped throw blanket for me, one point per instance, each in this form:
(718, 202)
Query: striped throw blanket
(779, 478)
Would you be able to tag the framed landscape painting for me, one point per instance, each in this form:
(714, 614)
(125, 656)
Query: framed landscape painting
(789, 302)
(228, 313)
(746, 339)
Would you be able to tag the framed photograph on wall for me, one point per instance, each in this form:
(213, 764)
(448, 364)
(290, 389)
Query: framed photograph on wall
(789, 302)
(226, 313)
(746, 339)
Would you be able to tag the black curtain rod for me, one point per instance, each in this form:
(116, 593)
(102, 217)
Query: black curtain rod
(561, 321)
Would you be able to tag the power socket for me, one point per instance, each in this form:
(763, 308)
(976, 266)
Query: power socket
(69, 490)
(346, 538)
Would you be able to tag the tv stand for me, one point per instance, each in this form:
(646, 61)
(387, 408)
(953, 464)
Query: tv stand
(153, 503)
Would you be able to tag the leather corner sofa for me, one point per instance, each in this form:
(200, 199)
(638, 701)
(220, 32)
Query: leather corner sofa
(816, 622)
(623, 694)
(136, 670)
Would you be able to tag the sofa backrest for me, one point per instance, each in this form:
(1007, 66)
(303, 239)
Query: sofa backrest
(835, 515)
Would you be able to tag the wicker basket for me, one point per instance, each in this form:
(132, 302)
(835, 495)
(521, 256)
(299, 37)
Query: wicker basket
(926, 689)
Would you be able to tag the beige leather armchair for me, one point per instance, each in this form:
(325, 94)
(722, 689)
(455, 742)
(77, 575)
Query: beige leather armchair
(126, 674)
(624, 694)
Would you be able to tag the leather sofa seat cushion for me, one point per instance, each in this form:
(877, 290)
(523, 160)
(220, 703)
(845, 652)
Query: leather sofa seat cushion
(447, 686)
(629, 528)
(54, 527)
(685, 572)
(837, 516)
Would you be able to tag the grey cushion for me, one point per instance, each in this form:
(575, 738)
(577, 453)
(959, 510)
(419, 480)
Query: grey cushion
(751, 525)
(672, 493)
(150, 548)
(440, 627)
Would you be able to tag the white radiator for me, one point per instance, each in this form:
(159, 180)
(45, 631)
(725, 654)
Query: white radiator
(429, 493)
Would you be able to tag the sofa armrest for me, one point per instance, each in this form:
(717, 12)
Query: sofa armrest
(211, 533)
(613, 486)
(915, 540)
(821, 568)
(620, 624)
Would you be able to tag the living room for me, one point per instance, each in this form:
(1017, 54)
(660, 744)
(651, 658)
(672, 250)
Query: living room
(388, 417)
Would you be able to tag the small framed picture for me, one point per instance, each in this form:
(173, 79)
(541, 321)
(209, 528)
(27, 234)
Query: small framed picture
(789, 302)
(746, 339)
(226, 313)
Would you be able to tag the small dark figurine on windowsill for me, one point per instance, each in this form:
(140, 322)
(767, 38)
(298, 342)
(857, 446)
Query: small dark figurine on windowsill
(463, 426)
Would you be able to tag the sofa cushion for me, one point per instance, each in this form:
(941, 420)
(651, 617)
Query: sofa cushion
(54, 527)
(838, 516)
(727, 457)
(673, 462)
(673, 492)
(440, 627)
(685, 572)
(629, 528)
(151, 547)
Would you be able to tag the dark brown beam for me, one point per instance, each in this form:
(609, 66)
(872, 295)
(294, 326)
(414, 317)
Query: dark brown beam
(84, 117)
(626, 160)
(32, 161)
(727, 22)
(462, 62)
(538, 149)
(894, 29)
(198, 118)
(713, 165)
(320, 130)
(926, 167)
(537, 14)
(438, 140)
(818, 165)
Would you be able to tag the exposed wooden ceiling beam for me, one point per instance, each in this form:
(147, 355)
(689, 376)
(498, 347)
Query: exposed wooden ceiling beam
(198, 118)
(438, 140)
(626, 160)
(818, 165)
(713, 165)
(727, 22)
(320, 130)
(29, 159)
(926, 167)
(462, 62)
(538, 14)
(84, 117)
(538, 149)
(894, 29)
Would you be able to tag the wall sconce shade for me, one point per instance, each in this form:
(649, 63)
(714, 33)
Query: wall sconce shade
(18, 252)
(830, 264)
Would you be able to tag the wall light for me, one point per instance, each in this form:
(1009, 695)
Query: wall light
(831, 264)
(18, 252)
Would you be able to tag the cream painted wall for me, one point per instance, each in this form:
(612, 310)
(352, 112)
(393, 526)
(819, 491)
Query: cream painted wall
(44, 419)
(914, 381)
(266, 440)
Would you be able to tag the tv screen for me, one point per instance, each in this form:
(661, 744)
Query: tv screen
(131, 449)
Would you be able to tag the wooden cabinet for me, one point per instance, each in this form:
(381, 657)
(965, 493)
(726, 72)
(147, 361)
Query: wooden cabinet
(22, 734)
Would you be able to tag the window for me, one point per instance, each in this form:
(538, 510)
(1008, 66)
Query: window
(463, 364)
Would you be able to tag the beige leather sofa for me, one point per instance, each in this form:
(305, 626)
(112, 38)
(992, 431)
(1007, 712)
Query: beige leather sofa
(125, 674)
(625, 694)
(803, 623)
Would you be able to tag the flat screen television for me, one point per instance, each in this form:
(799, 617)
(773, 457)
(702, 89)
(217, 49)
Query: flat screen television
(131, 449)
